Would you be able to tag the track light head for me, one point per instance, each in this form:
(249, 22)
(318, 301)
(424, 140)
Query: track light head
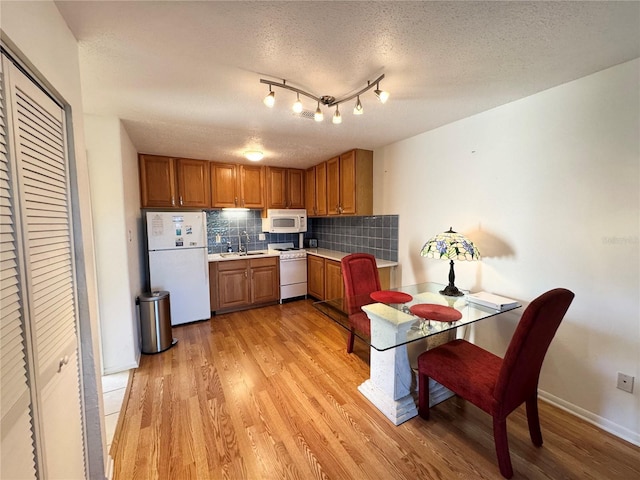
(358, 110)
(297, 106)
(270, 99)
(318, 116)
(337, 118)
(381, 94)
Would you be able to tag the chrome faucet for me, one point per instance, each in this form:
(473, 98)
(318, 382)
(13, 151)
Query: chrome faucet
(242, 249)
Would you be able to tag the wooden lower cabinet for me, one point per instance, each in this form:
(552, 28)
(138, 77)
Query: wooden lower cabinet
(324, 278)
(333, 284)
(315, 276)
(242, 284)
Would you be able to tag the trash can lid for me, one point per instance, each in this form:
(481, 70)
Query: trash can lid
(153, 296)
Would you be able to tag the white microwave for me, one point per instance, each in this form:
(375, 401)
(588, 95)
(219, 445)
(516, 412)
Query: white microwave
(285, 221)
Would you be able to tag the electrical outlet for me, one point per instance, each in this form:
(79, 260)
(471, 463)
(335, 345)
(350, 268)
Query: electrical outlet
(261, 237)
(625, 382)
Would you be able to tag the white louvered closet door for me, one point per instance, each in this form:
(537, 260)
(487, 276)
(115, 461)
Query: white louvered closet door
(37, 155)
(17, 456)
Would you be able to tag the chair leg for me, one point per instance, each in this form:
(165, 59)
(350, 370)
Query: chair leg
(423, 396)
(534, 420)
(502, 447)
(350, 341)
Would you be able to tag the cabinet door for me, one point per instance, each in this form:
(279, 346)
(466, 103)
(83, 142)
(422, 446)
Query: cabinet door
(252, 186)
(276, 187)
(233, 284)
(223, 185)
(213, 286)
(295, 188)
(334, 286)
(315, 276)
(333, 186)
(193, 183)
(348, 183)
(321, 188)
(264, 284)
(310, 191)
(157, 181)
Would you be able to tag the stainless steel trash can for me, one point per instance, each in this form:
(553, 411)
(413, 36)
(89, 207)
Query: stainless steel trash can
(155, 321)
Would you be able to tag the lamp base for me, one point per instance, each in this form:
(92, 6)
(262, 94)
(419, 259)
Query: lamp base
(451, 291)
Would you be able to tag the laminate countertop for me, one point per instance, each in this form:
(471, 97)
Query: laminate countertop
(337, 256)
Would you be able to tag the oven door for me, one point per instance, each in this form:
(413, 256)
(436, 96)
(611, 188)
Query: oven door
(293, 277)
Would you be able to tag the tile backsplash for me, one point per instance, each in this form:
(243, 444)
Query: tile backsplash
(375, 234)
(224, 227)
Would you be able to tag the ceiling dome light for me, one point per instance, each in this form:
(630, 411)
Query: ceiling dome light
(297, 106)
(337, 118)
(270, 99)
(358, 110)
(318, 116)
(253, 155)
(381, 94)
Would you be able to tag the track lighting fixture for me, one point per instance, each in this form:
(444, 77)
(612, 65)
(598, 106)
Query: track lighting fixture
(326, 100)
(337, 118)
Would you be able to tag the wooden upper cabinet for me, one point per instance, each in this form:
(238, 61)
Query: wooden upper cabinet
(237, 185)
(193, 183)
(157, 181)
(315, 190)
(223, 185)
(295, 187)
(350, 183)
(333, 186)
(285, 188)
(173, 182)
(321, 188)
(310, 191)
(251, 186)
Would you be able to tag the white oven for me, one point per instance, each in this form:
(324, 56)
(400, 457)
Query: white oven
(293, 270)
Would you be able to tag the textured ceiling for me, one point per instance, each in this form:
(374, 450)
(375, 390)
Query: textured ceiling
(184, 77)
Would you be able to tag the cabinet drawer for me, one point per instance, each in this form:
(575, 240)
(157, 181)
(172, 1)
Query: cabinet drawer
(264, 262)
(226, 265)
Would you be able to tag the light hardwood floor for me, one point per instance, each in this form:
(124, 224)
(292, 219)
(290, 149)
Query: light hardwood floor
(270, 393)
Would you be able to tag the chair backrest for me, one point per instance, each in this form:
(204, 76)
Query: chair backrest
(360, 276)
(518, 378)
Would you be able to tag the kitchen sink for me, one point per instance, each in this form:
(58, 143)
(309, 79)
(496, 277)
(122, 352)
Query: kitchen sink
(230, 254)
(255, 253)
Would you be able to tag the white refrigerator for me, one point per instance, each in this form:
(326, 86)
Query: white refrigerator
(177, 249)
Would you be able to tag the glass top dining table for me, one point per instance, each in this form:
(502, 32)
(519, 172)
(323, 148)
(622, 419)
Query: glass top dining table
(400, 319)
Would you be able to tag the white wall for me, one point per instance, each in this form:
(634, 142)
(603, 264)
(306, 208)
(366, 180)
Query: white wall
(548, 187)
(116, 210)
(37, 34)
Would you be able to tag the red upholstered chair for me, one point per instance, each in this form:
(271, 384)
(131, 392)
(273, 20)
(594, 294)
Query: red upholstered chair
(498, 386)
(360, 276)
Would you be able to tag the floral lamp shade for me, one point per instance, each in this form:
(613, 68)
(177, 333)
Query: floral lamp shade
(451, 246)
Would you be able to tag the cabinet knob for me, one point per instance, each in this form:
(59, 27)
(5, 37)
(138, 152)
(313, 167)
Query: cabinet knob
(181, 200)
(173, 201)
(235, 201)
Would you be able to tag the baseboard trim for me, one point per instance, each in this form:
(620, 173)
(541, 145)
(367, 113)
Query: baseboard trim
(109, 472)
(600, 422)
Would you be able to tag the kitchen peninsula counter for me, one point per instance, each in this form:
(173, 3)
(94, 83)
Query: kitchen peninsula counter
(337, 256)
(325, 277)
